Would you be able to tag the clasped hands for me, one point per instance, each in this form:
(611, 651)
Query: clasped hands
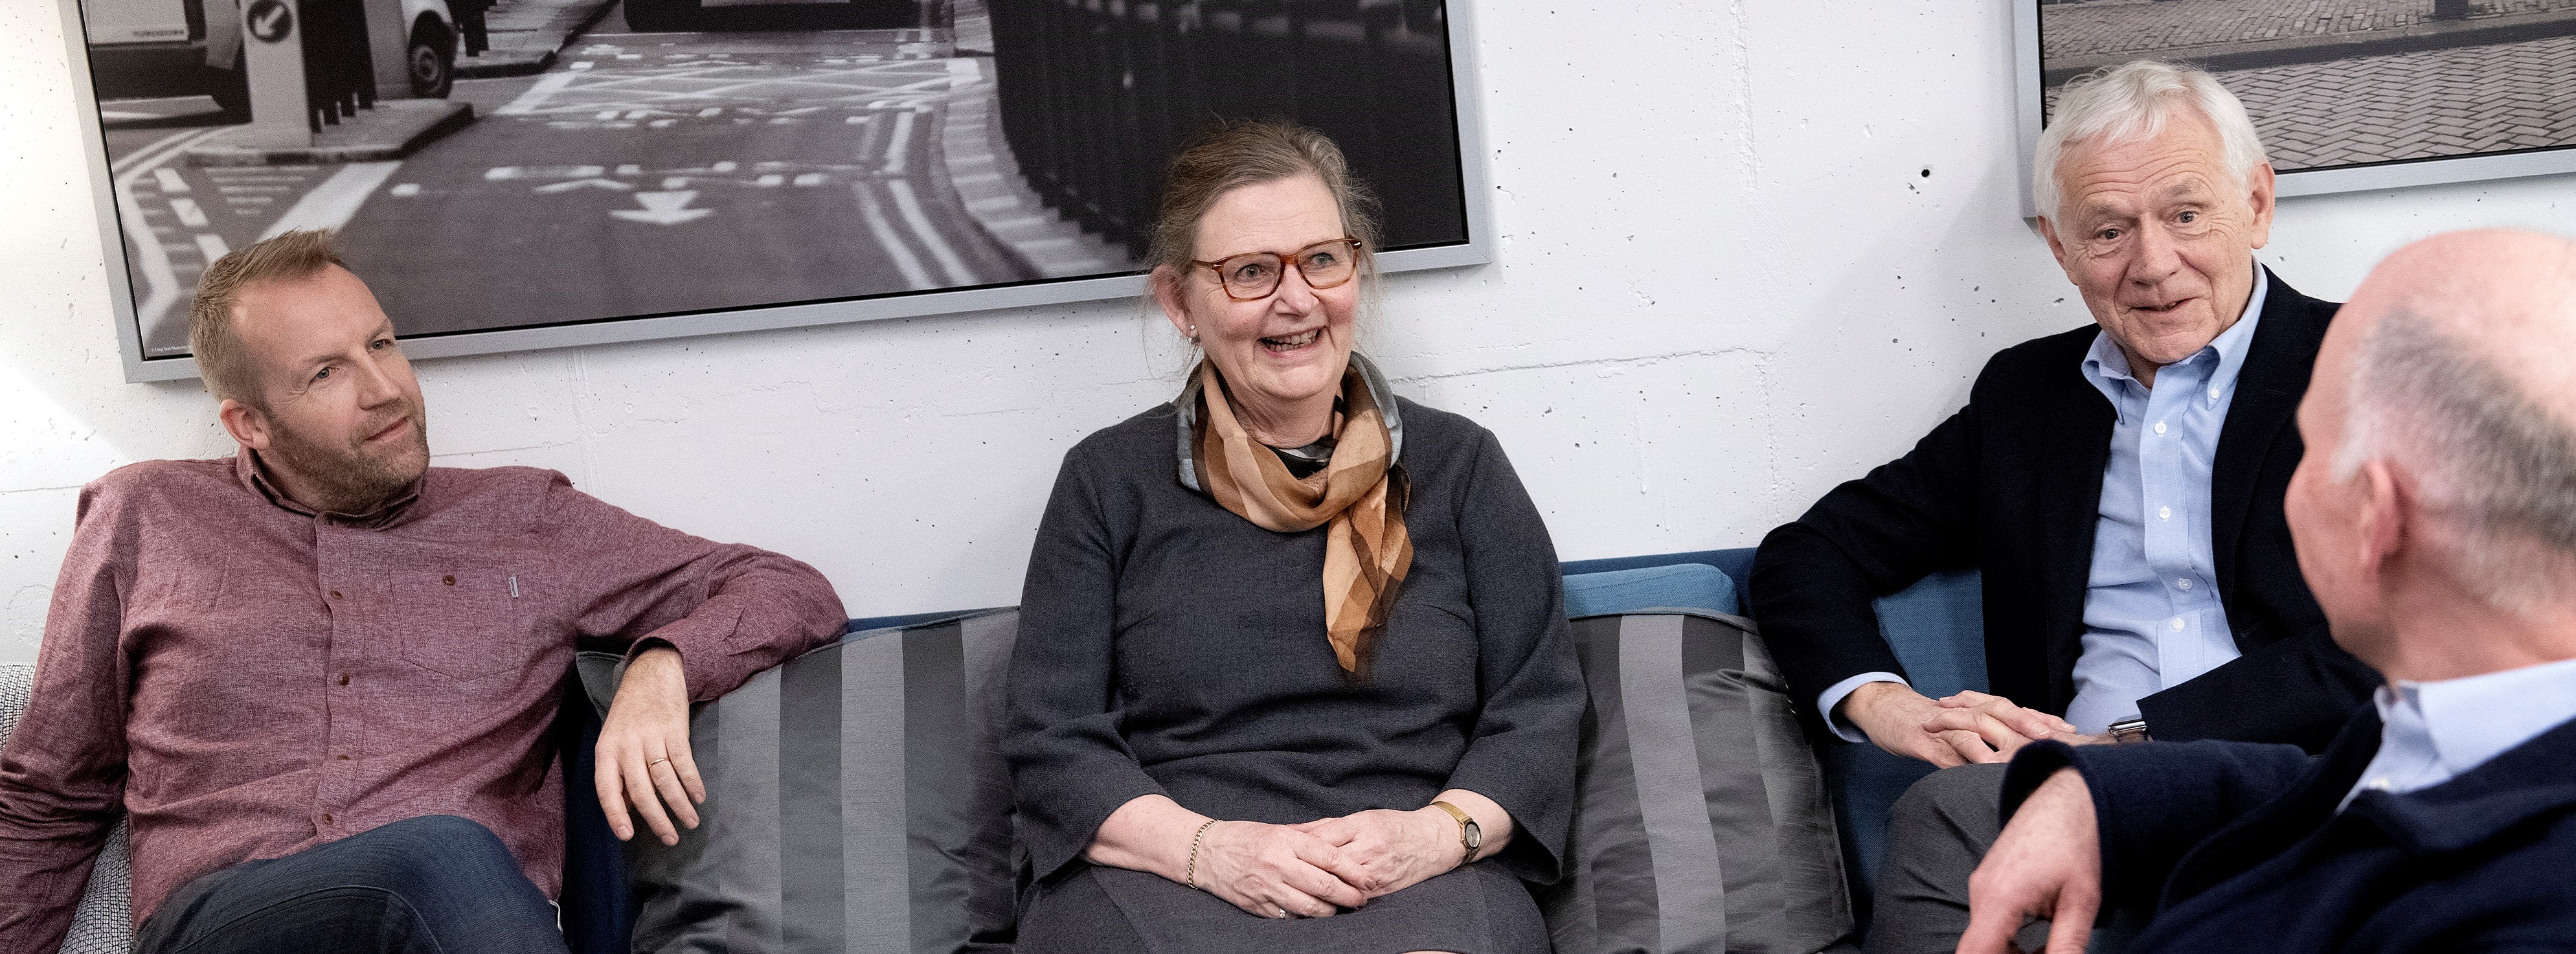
(1317, 868)
(1312, 869)
(1955, 730)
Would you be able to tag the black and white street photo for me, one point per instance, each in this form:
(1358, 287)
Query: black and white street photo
(534, 163)
(2341, 83)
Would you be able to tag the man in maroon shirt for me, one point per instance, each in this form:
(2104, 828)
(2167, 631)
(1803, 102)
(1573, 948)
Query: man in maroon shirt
(318, 676)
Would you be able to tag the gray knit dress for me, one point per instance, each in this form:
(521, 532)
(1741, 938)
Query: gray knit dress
(1169, 646)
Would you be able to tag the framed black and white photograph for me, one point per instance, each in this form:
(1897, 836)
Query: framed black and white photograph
(517, 174)
(2347, 94)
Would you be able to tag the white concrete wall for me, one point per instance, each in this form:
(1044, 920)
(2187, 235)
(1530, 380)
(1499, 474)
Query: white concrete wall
(1723, 286)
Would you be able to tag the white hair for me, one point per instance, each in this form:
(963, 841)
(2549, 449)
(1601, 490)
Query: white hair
(2494, 469)
(2129, 102)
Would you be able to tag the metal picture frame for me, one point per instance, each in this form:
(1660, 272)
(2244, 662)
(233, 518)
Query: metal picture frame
(115, 219)
(2030, 85)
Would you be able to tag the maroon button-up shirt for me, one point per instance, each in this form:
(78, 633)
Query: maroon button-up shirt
(248, 678)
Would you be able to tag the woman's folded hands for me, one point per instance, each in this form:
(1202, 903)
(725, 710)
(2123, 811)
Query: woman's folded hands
(1313, 869)
(1391, 850)
(1278, 871)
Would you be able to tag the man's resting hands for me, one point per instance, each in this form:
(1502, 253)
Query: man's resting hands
(1970, 727)
(643, 754)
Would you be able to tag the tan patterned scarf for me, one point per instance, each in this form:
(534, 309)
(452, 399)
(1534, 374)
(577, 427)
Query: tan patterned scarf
(1366, 549)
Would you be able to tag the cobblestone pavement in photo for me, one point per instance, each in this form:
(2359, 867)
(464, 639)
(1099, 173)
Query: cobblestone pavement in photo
(2105, 27)
(2411, 105)
(2414, 105)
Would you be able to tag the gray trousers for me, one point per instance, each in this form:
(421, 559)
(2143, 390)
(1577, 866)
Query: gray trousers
(1935, 837)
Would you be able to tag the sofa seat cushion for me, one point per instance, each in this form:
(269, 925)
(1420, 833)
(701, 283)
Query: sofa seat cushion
(856, 801)
(1701, 819)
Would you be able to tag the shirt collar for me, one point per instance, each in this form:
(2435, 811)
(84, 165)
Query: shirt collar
(2475, 718)
(2105, 365)
(253, 475)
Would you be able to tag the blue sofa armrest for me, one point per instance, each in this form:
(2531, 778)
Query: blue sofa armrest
(1736, 564)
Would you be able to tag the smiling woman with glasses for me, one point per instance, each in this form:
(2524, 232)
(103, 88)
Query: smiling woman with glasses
(1293, 672)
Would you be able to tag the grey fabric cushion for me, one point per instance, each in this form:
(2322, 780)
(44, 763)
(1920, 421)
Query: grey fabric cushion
(105, 922)
(1701, 821)
(856, 801)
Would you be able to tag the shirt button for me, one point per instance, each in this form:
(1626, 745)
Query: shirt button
(344, 679)
(2213, 394)
(2160, 427)
(326, 819)
(2164, 513)
(335, 594)
(449, 580)
(2184, 584)
(344, 758)
(2177, 622)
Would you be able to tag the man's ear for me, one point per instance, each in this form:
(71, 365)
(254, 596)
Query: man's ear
(247, 425)
(2260, 186)
(2388, 519)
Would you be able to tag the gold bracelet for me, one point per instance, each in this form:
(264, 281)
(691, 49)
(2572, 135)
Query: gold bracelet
(1190, 876)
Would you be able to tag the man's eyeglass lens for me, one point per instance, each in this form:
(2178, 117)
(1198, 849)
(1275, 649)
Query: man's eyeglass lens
(1256, 274)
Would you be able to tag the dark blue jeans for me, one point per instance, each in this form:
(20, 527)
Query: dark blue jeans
(432, 885)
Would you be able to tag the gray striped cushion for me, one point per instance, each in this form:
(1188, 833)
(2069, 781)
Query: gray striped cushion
(1701, 822)
(856, 801)
(105, 919)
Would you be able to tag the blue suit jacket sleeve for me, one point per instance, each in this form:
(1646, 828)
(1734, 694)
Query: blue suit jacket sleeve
(2153, 802)
(1813, 579)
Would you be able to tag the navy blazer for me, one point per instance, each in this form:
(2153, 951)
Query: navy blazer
(2012, 485)
(2241, 848)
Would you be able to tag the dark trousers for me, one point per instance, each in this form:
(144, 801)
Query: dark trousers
(1936, 836)
(432, 885)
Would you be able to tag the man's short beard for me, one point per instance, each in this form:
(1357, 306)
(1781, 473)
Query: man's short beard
(344, 477)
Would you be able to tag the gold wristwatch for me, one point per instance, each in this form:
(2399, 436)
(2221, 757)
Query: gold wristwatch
(1470, 836)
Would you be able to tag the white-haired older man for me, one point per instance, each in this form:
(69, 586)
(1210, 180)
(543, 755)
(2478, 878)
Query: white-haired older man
(2437, 523)
(2119, 485)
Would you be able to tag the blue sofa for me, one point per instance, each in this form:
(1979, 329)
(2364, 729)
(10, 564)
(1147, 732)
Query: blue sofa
(1936, 628)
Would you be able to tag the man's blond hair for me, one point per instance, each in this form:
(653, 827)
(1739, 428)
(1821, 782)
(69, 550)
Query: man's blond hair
(228, 371)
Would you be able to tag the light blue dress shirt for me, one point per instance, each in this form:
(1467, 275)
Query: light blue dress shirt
(2152, 614)
(2431, 732)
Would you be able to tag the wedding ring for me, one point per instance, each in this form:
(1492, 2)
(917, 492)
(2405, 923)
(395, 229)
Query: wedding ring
(658, 761)
(1279, 912)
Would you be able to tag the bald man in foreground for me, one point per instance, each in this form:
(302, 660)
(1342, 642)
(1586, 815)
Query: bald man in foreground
(2435, 519)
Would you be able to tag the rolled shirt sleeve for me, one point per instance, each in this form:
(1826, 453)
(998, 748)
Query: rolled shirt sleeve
(730, 610)
(1522, 752)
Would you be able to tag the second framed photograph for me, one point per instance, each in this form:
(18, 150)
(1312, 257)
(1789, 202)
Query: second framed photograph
(2347, 94)
(513, 174)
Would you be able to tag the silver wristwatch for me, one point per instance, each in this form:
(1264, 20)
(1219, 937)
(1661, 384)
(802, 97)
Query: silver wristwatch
(2131, 729)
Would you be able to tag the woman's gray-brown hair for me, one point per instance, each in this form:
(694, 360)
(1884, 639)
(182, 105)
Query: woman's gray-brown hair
(1232, 155)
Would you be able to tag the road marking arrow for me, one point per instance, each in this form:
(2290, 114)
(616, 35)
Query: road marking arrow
(609, 184)
(664, 208)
